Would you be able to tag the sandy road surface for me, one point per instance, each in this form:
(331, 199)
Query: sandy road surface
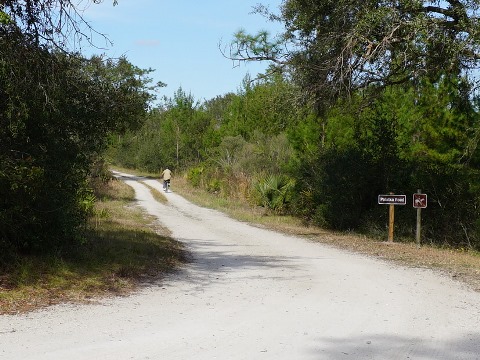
(255, 294)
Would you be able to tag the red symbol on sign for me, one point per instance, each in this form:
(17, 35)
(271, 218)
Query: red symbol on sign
(420, 201)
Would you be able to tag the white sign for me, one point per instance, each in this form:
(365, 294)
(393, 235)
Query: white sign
(392, 199)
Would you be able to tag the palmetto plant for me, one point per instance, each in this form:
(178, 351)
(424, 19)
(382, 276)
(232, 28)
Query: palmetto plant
(274, 192)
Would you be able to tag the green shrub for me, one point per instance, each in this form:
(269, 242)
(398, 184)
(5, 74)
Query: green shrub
(214, 185)
(274, 192)
(194, 175)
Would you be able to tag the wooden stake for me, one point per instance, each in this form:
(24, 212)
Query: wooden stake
(391, 220)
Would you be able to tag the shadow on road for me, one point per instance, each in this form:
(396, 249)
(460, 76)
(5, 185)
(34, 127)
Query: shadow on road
(395, 347)
(210, 263)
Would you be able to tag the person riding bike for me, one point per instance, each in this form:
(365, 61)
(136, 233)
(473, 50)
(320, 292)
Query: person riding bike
(166, 175)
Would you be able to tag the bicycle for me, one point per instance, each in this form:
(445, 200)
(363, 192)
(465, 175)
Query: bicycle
(166, 185)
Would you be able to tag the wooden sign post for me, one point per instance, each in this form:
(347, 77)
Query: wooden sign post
(391, 221)
(391, 200)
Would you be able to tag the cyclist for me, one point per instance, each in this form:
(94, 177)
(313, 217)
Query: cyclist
(166, 175)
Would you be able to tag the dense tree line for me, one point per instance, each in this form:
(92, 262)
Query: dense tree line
(57, 110)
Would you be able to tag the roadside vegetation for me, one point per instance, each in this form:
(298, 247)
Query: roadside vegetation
(122, 249)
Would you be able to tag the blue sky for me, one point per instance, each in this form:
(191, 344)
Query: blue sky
(180, 40)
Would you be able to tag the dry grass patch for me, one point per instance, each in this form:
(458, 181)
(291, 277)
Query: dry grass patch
(157, 195)
(123, 249)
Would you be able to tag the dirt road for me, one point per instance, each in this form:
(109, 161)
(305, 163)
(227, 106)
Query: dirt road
(254, 294)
